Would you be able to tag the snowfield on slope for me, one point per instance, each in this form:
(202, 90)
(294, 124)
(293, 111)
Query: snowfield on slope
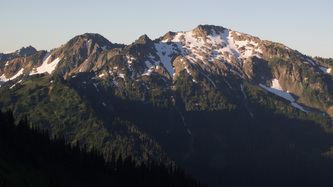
(221, 47)
(165, 51)
(4, 79)
(45, 67)
(325, 70)
(277, 90)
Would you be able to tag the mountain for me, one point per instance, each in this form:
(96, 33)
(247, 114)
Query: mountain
(207, 52)
(23, 52)
(228, 107)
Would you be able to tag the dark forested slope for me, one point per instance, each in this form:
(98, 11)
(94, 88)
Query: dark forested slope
(29, 157)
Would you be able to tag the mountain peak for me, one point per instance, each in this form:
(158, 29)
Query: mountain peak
(23, 52)
(92, 36)
(144, 39)
(26, 51)
(204, 30)
(95, 38)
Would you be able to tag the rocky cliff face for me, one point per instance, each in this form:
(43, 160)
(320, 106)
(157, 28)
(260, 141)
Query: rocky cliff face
(84, 53)
(23, 52)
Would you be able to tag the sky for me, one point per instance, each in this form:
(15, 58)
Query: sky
(302, 25)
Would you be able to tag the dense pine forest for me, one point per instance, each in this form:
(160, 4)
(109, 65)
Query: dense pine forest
(30, 157)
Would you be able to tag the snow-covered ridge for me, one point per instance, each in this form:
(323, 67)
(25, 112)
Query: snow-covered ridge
(213, 48)
(277, 90)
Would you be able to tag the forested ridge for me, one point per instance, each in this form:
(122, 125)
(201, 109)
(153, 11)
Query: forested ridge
(280, 146)
(29, 157)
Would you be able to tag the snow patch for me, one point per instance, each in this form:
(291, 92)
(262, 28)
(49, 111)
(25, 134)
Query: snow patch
(96, 87)
(17, 74)
(121, 75)
(188, 71)
(148, 65)
(228, 84)
(192, 75)
(164, 51)
(101, 75)
(276, 84)
(12, 86)
(209, 80)
(151, 56)
(238, 73)
(325, 70)
(144, 84)
(309, 60)
(299, 107)
(4, 79)
(243, 91)
(15, 84)
(188, 130)
(148, 72)
(45, 67)
(115, 83)
(129, 62)
(104, 104)
(276, 89)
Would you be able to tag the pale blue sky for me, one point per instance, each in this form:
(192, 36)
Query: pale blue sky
(303, 25)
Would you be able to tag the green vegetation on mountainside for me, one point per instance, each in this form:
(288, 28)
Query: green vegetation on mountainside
(204, 129)
(52, 104)
(29, 157)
